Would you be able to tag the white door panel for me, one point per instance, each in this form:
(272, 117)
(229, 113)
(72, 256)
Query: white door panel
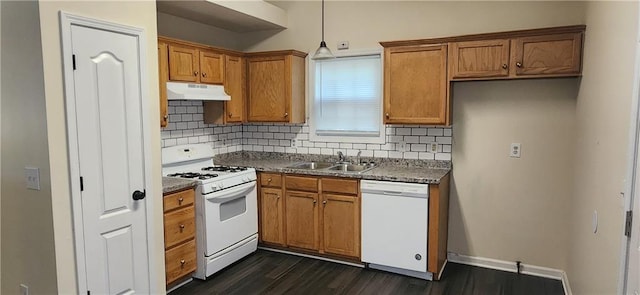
(109, 131)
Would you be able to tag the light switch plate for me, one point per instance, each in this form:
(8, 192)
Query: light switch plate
(32, 178)
(433, 147)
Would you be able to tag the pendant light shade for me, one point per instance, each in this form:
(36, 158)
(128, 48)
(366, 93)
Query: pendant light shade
(323, 51)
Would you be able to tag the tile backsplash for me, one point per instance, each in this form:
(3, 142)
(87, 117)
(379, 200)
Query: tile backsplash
(187, 126)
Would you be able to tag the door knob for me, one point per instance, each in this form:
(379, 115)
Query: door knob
(138, 195)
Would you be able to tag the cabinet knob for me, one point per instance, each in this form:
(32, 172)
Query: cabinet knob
(324, 202)
(230, 115)
(519, 64)
(315, 201)
(277, 196)
(269, 180)
(180, 200)
(166, 117)
(204, 74)
(195, 73)
(387, 114)
(182, 226)
(286, 115)
(182, 262)
(504, 66)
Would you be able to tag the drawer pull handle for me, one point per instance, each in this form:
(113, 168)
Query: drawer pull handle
(180, 200)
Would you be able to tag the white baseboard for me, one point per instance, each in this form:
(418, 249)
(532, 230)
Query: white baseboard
(510, 266)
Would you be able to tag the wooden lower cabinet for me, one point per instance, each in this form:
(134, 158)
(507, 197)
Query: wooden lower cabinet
(272, 208)
(301, 211)
(341, 226)
(179, 235)
(317, 214)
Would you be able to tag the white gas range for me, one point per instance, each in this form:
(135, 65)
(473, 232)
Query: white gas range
(226, 206)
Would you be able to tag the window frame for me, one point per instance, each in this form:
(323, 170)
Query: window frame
(311, 98)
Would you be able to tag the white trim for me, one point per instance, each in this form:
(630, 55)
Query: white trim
(311, 69)
(311, 256)
(632, 160)
(510, 266)
(66, 21)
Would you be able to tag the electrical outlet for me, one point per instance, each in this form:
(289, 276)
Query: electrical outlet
(515, 151)
(32, 178)
(433, 147)
(402, 146)
(343, 45)
(293, 142)
(24, 289)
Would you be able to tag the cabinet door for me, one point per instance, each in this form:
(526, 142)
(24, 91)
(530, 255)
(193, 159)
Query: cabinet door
(183, 63)
(341, 226)
(549, 55)
(479, 59)
(163, 71)
(211, 67)
(269, 93)
(234, 85)
(302, 220)
(272, 216)
(415, 90)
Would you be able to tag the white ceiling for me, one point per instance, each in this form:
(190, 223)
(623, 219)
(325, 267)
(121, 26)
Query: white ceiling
(236, 16)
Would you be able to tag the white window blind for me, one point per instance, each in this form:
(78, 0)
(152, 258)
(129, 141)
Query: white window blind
(348, 96)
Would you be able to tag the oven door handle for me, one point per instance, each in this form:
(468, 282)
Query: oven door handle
(231, 193)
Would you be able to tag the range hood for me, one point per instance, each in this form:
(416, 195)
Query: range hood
(191, 91)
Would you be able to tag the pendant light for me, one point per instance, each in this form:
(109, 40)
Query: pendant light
(323, 52)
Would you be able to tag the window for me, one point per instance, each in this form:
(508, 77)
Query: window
(346, 99)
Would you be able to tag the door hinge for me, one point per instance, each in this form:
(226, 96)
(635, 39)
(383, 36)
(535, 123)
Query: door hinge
(73, 58)
(81, 184)
(627, 224)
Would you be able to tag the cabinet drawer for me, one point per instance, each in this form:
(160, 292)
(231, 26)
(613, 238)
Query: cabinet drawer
(270, 179)
(179, 199)
(299, 183)
(336, 185)
(180, 261)
(179, 226)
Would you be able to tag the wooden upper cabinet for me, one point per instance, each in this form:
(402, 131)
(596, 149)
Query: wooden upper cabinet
(211, 67)
(193, 64)
(547, 55)
(163, 71)
(276, 90)
(479, 59)
(415, 85)
(235, 86)
(183, 63)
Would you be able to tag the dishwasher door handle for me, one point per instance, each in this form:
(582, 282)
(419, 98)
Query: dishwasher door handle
(393, 193)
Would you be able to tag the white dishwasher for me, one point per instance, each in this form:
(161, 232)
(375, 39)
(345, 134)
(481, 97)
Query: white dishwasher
(395, 219)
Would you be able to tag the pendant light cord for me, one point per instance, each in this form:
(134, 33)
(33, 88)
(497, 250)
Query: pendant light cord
(323, 20)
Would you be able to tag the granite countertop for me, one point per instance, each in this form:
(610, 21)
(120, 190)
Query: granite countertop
(415, 171)
(171, 184)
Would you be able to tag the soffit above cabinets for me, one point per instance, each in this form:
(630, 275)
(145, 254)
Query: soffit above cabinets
(236, 16)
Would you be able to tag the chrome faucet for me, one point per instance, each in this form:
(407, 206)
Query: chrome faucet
(340, 157)
(358, 157)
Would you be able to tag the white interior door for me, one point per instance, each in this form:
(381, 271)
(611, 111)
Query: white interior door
(111, 160)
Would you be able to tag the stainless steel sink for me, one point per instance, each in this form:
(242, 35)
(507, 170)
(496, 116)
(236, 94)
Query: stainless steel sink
(311, 165)
(351, 168)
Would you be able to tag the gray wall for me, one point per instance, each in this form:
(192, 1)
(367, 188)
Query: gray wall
(28, 254)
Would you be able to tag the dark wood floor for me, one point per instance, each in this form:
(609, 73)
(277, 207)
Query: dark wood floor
(266, 272)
